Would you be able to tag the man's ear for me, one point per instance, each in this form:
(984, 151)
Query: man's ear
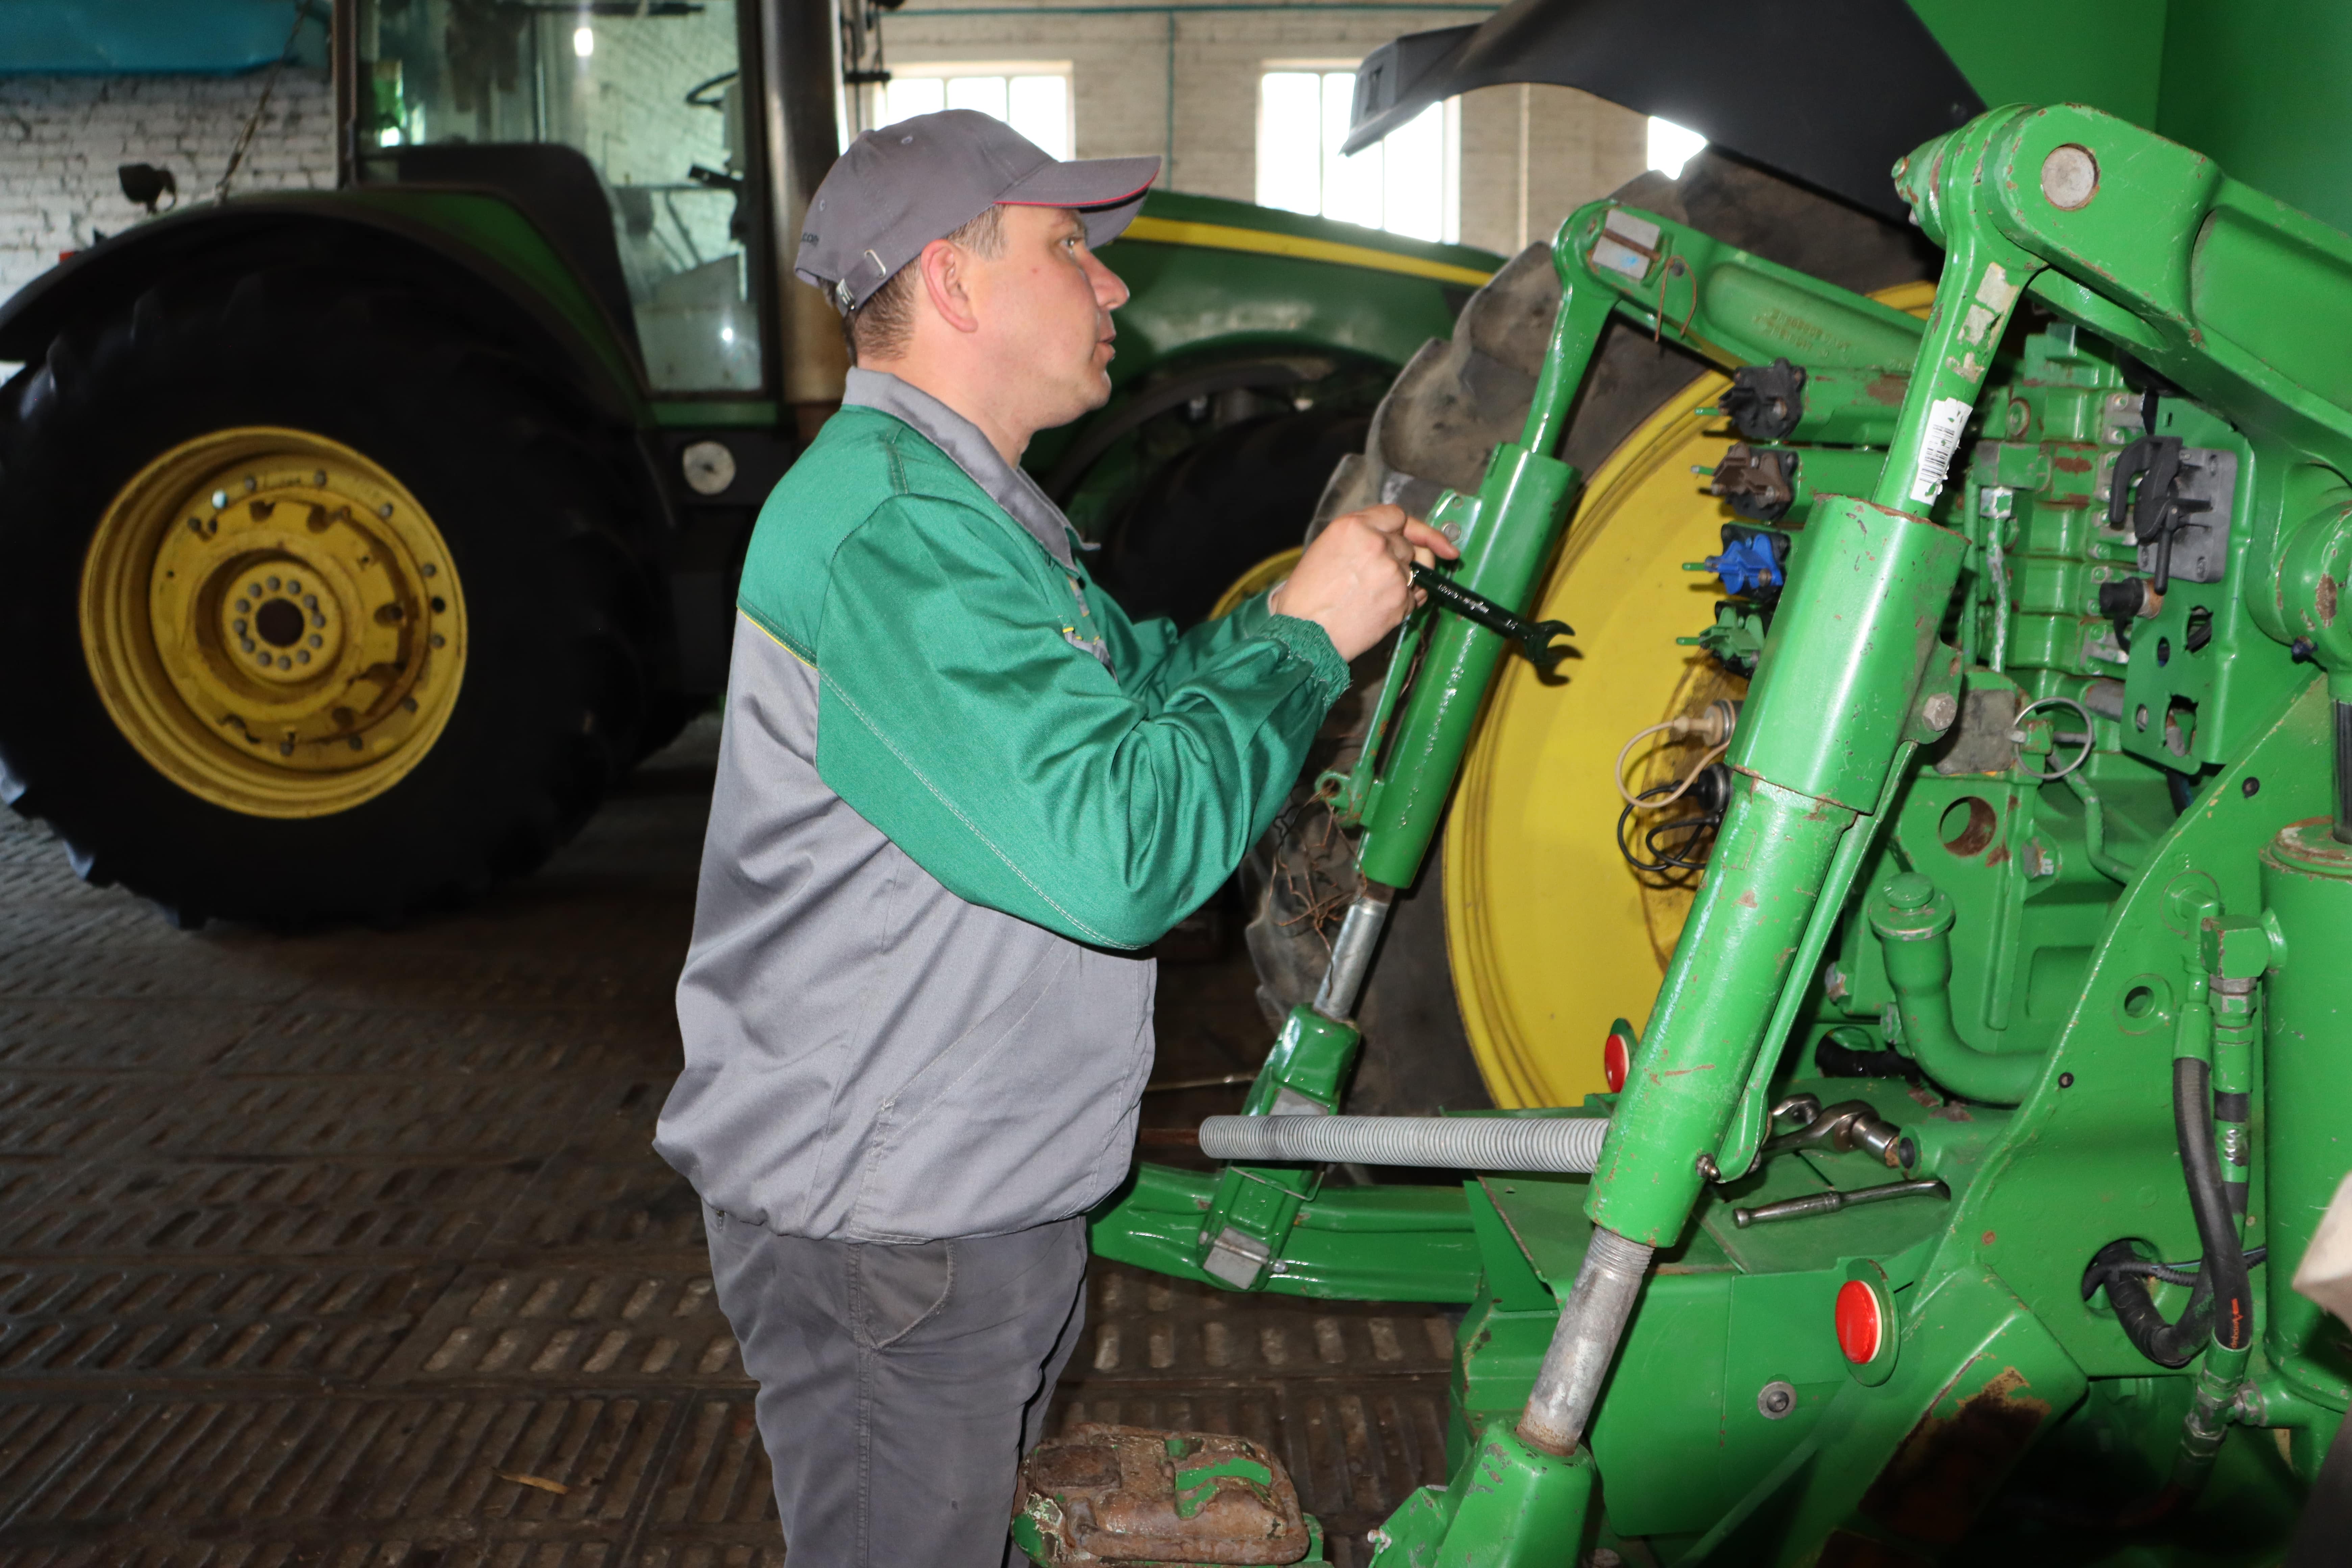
(947, 282)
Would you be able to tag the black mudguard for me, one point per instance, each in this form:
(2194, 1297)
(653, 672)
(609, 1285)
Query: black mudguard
(1830, 92)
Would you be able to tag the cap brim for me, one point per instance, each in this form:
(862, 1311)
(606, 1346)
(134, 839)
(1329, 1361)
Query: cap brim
(1105, 191)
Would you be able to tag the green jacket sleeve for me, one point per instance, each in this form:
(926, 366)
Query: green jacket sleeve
(957, 717)
(1153, 659)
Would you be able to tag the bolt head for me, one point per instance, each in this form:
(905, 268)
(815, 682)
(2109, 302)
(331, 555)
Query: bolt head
(1940, 709)
(1777, 1400)
(1910, 891)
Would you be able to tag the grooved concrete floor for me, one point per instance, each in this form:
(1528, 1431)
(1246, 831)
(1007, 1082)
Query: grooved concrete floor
(349, 1248)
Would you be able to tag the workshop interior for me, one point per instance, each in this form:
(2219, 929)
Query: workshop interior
(1799, 1011)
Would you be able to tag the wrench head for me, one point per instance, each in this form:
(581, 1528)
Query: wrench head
(1542, 644)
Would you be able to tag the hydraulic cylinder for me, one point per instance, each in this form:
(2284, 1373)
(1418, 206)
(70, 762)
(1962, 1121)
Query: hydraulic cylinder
(1818, 733)
(2307, 1061)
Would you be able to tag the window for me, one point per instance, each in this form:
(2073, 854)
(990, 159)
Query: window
(1032, 97)
(1408, 184)
(648, 98)
(1671, 147)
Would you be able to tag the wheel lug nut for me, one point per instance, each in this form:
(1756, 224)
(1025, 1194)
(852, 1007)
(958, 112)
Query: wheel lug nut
(309, 601)
(273, 585)
(316, 640)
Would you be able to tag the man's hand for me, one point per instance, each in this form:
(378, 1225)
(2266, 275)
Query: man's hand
(1355, 580)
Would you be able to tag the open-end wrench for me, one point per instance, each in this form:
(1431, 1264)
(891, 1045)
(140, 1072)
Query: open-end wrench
(1535, 638)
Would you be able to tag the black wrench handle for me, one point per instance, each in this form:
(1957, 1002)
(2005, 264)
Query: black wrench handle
(1535, 638)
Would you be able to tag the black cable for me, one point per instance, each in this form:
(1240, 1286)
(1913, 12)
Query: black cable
(1672, 866)
(1693, 827)
(2221, 1299)
(2170, 1273)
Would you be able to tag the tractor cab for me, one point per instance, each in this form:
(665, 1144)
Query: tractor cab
(619, 130)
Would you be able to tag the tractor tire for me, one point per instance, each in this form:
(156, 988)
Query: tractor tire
(1221, 507)
(1433, 432)
(322, 609)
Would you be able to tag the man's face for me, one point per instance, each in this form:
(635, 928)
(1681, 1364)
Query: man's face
(1044, 305)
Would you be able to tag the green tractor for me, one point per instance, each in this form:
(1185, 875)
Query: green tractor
(354, 544)
(1908, 947)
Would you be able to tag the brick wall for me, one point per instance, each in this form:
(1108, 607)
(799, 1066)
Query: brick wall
(61, 139)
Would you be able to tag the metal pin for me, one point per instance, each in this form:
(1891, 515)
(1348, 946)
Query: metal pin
(1833, 1200)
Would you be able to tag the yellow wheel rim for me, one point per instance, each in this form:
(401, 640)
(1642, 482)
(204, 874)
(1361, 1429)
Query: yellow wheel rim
(1549, 935)
(273, 622)
(1257, 580)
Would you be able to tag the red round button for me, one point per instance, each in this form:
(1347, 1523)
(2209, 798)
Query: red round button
(1860, 1327)
(1616, 1061)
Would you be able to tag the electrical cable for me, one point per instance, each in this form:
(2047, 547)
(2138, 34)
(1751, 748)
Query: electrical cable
(2221, 1299)
(1714, 754)
(1665, 862)
(2170, 1273)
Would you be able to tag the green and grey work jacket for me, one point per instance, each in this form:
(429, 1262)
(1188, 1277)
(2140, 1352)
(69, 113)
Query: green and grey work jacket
(958, 789)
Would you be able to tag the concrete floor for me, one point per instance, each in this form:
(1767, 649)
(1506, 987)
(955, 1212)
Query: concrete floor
(349, 1248)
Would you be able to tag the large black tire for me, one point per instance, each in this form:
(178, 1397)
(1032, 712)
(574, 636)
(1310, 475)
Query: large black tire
(1434, 432)
(552, 697)
(1223, 506)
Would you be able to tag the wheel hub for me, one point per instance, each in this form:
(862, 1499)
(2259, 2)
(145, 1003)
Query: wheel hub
(273, 622)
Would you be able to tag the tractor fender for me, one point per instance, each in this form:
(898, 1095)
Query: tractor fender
(548, 314)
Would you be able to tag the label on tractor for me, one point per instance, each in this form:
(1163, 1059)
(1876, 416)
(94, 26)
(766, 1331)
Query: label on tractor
(1945, 418)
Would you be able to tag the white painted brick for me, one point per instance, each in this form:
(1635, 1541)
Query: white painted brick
(61, 139)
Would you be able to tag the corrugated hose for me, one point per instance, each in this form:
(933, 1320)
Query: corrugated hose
(1571, 1144)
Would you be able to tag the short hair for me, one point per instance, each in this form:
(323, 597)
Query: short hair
(881, 326)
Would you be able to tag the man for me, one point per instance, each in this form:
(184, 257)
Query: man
(957, 791)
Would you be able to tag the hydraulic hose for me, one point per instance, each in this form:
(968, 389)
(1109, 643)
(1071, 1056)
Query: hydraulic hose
(1570, 1143)
(2221, 1304)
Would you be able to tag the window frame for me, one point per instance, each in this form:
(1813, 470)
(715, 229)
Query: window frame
(949, 70)
(1449, 226)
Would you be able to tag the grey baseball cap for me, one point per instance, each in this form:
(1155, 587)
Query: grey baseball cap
(900, 188)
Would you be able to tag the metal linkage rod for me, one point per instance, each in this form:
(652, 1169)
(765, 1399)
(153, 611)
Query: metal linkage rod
(1585, 1341)
(1352, 955)
(1443, 1142)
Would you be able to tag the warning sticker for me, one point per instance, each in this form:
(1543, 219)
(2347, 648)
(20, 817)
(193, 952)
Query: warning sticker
(1945, 415)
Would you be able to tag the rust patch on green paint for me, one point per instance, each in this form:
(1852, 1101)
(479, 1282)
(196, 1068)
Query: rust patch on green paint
(1949, 1464)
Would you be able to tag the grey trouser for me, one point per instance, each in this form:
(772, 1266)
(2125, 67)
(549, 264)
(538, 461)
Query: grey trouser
(899, 1385)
